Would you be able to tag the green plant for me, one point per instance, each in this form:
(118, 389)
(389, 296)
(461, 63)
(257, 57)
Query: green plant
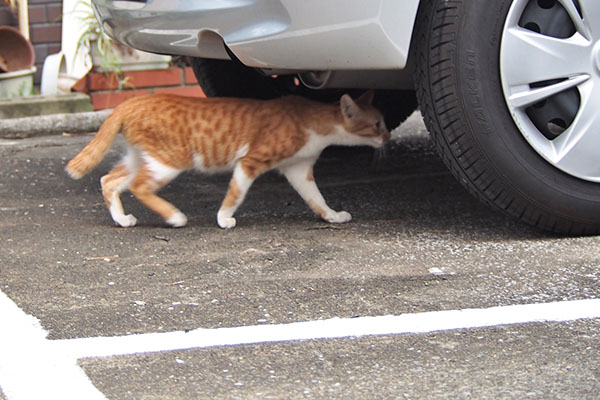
(94, 39)
(24, 90)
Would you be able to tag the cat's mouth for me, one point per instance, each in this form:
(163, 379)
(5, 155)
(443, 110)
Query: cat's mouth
(380, 141)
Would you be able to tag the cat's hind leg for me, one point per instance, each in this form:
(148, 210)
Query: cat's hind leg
(300, 176)
(152, 176)
(113, 184)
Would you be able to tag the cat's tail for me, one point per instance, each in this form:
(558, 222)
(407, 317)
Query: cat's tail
(94, 152)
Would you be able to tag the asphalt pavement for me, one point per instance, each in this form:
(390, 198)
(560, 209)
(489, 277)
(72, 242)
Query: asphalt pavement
(109, 308)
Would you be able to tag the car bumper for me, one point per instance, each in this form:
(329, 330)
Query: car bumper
(278, 34)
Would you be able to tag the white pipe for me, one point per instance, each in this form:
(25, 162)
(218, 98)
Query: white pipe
(62, 70)
(23, 18)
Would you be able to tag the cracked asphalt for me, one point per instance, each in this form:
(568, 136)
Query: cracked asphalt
(417, 243)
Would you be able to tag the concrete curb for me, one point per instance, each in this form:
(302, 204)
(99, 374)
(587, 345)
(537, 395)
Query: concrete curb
(53, 124)
(34, 106)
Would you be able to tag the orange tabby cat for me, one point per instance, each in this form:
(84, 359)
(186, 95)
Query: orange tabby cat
(168, 134)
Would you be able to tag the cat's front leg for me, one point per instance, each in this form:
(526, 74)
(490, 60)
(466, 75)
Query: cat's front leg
(238, 187)
(301, 178)
(338, 217)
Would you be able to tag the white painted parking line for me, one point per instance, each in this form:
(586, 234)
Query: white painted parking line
(30, 368)
(332, 329)
(34, 367)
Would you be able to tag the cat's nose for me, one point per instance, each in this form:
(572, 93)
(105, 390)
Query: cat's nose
(386, 136)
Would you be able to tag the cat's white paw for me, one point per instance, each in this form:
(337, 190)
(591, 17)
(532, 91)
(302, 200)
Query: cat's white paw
(126, 221)
(226, 223)
(339, 217)
(177, 220)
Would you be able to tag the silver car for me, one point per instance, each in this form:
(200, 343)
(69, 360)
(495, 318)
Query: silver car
(509, 89)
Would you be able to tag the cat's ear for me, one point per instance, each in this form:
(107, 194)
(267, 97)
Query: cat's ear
(349, 108)
(366, 98)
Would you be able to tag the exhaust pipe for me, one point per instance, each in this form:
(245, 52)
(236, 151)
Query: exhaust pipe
(369, 79)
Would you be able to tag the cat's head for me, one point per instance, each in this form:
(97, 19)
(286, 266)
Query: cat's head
(364, 120)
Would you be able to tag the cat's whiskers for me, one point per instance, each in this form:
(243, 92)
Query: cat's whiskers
(380, 156)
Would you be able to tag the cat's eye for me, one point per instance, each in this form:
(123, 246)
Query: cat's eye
(378, 125)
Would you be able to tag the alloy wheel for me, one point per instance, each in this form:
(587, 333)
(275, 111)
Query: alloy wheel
(550, 73)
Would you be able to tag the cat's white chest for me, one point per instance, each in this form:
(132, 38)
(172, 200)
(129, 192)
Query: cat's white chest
(314, 145)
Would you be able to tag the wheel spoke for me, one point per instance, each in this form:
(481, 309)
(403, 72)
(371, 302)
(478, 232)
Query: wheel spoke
(590, 10)
(580, 24)
(528, 96)
(577, 148)
(530, 57)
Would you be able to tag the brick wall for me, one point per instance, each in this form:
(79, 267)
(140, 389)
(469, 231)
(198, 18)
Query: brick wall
(6, 16)
(44, 28)
(104, 89)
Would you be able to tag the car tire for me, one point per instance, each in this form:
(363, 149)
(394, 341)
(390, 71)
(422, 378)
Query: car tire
(226, 78)
(458, 46)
